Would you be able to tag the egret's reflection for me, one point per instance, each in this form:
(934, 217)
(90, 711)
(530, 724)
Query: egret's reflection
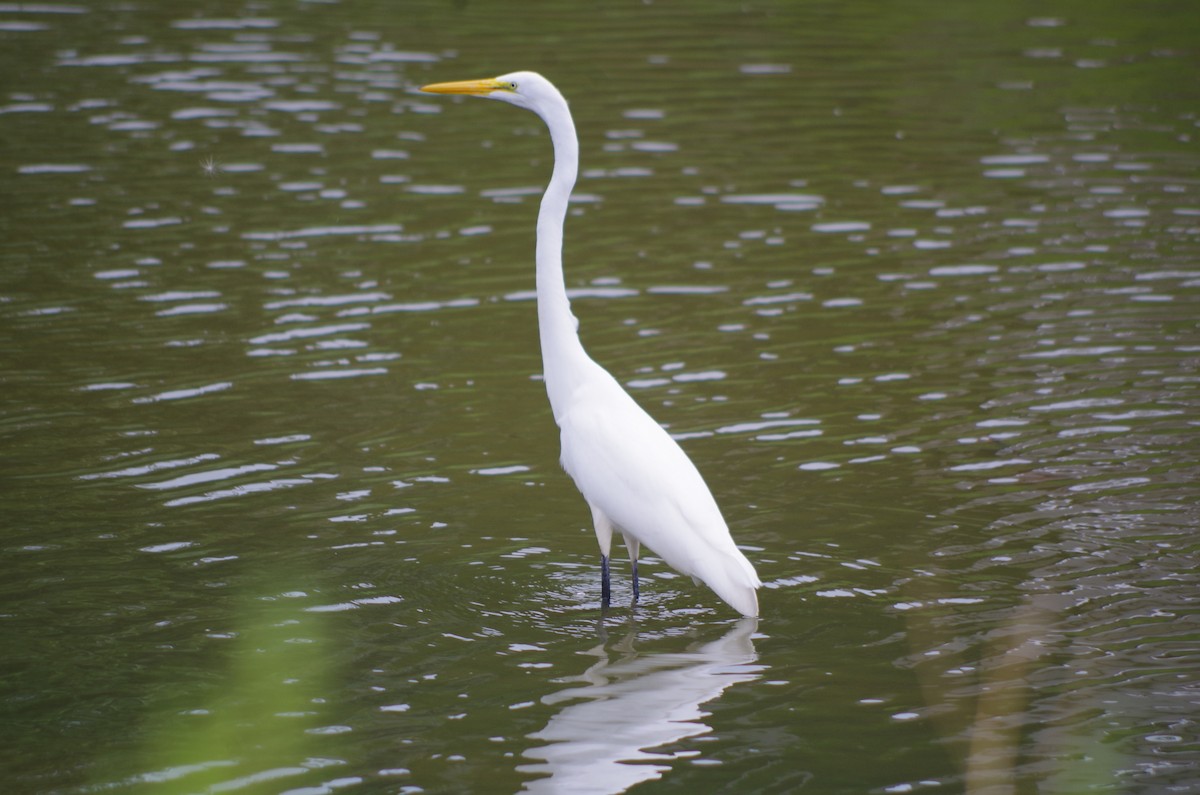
(634, 702)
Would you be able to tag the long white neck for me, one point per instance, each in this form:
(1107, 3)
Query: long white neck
(563, 357)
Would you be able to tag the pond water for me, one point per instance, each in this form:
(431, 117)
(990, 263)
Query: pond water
(916, 286)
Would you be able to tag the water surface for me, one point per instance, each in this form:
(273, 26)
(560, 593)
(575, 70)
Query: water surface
(916, 287)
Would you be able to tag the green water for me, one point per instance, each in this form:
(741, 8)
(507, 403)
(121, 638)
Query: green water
(914, 284)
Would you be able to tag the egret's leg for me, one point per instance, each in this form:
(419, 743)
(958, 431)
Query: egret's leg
(604, 531)
(605, 589)
(634, 547)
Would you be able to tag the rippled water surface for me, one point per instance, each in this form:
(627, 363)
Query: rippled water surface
(914, 284)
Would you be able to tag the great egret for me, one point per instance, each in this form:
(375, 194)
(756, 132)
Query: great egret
(634, 476)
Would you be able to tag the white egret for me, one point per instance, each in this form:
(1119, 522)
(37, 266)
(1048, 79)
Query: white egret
(634, 476)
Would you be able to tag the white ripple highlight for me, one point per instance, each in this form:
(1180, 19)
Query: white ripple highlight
(325, 231)
(181, 394)
(208, 476)
(146, 469)
(307, 332)
(259, 487)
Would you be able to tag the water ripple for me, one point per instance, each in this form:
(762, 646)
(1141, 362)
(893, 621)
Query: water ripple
(183, 394)
(421, 306)
(145, 469)
(781, 201)
(327, 300)
(307, 333)
(324, 231)
(207, 476)
(343, 372)
(275, 484)
(240, 23)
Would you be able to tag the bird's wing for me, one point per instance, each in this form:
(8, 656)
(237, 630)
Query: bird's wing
(626, 465)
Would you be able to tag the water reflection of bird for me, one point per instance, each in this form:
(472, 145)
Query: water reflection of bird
(635, 477)
(604, 736)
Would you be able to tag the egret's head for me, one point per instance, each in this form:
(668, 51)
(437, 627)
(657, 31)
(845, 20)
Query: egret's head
(527, 90)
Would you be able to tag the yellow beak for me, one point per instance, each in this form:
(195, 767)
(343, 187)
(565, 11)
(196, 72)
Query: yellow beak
(471, 87)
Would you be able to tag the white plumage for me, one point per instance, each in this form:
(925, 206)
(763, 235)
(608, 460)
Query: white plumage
(636, 478)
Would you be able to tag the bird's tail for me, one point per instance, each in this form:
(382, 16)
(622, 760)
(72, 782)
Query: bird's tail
(733, 578)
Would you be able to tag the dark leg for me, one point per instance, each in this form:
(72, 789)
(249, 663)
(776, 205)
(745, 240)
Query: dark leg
(605, 591)
(635, 582)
